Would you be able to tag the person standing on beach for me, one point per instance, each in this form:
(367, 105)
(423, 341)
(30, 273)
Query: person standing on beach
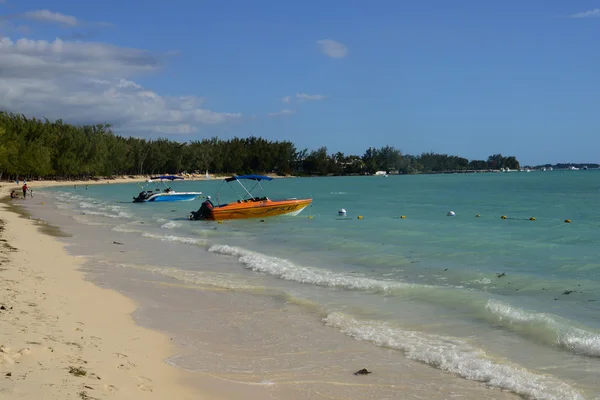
(24, 191)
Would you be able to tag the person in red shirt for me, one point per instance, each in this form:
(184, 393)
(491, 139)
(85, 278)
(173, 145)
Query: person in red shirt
(24, 191)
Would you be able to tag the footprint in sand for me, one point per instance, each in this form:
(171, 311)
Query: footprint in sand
(24, 351)
(9, 357)
(145, 388)
(126, 365)
(110, 388)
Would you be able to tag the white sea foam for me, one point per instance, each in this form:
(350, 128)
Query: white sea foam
(125, 229)
(455, 356)
(119, 215)
(225, 281)
(85, 204)
(173, 238)
(170, 225)
(287, 270)
(560, 331)
(85, 221)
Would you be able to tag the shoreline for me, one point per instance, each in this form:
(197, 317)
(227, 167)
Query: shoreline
(64, 337)
(12, 185)
(40, 183)
(443, 381)
(223, 361)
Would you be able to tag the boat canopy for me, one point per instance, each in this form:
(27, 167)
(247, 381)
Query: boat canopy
(250, 177)
(167, 177)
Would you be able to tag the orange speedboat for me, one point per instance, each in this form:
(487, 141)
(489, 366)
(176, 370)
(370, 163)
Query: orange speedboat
(249, 205)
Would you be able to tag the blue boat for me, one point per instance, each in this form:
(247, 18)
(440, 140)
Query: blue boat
(167, 194)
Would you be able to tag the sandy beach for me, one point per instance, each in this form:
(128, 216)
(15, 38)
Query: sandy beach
(66, 338)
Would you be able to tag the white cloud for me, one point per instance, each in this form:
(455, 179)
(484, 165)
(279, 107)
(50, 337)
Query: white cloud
(309, 97)
(86, 82)
(282, 113)
(332, 49)
(51, 17)
(286, 99)
(587, 14)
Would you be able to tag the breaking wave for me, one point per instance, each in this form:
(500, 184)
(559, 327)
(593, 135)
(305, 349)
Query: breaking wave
(455, 356)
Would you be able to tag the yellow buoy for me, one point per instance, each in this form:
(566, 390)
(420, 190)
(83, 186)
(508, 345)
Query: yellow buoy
(403, 216)
(477, 216)
(567, 221)
(360, 217)
(532, 219)
(310, 217)
(503, 217)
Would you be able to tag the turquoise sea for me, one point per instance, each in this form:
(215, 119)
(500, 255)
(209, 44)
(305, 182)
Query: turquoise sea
(511, 304)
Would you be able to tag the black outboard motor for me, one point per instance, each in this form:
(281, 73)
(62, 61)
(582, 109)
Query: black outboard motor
(204, 212)
(141, 197)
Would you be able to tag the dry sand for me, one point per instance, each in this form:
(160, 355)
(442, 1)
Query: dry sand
(62, 337)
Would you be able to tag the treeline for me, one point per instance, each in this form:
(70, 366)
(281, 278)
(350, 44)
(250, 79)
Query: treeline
(567, 166)
(34, 148)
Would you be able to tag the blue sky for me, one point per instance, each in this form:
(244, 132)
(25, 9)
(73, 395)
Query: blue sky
(470, 78)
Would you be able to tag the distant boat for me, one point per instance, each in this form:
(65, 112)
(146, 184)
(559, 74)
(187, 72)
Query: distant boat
(572, 168)
(168, 194)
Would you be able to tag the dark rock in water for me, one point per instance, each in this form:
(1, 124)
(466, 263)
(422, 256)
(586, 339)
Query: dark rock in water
(9, 374)
(119, 243)
(2, 308)
(500, 275)
(362, 372)
(567, 292)
(446, 269)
